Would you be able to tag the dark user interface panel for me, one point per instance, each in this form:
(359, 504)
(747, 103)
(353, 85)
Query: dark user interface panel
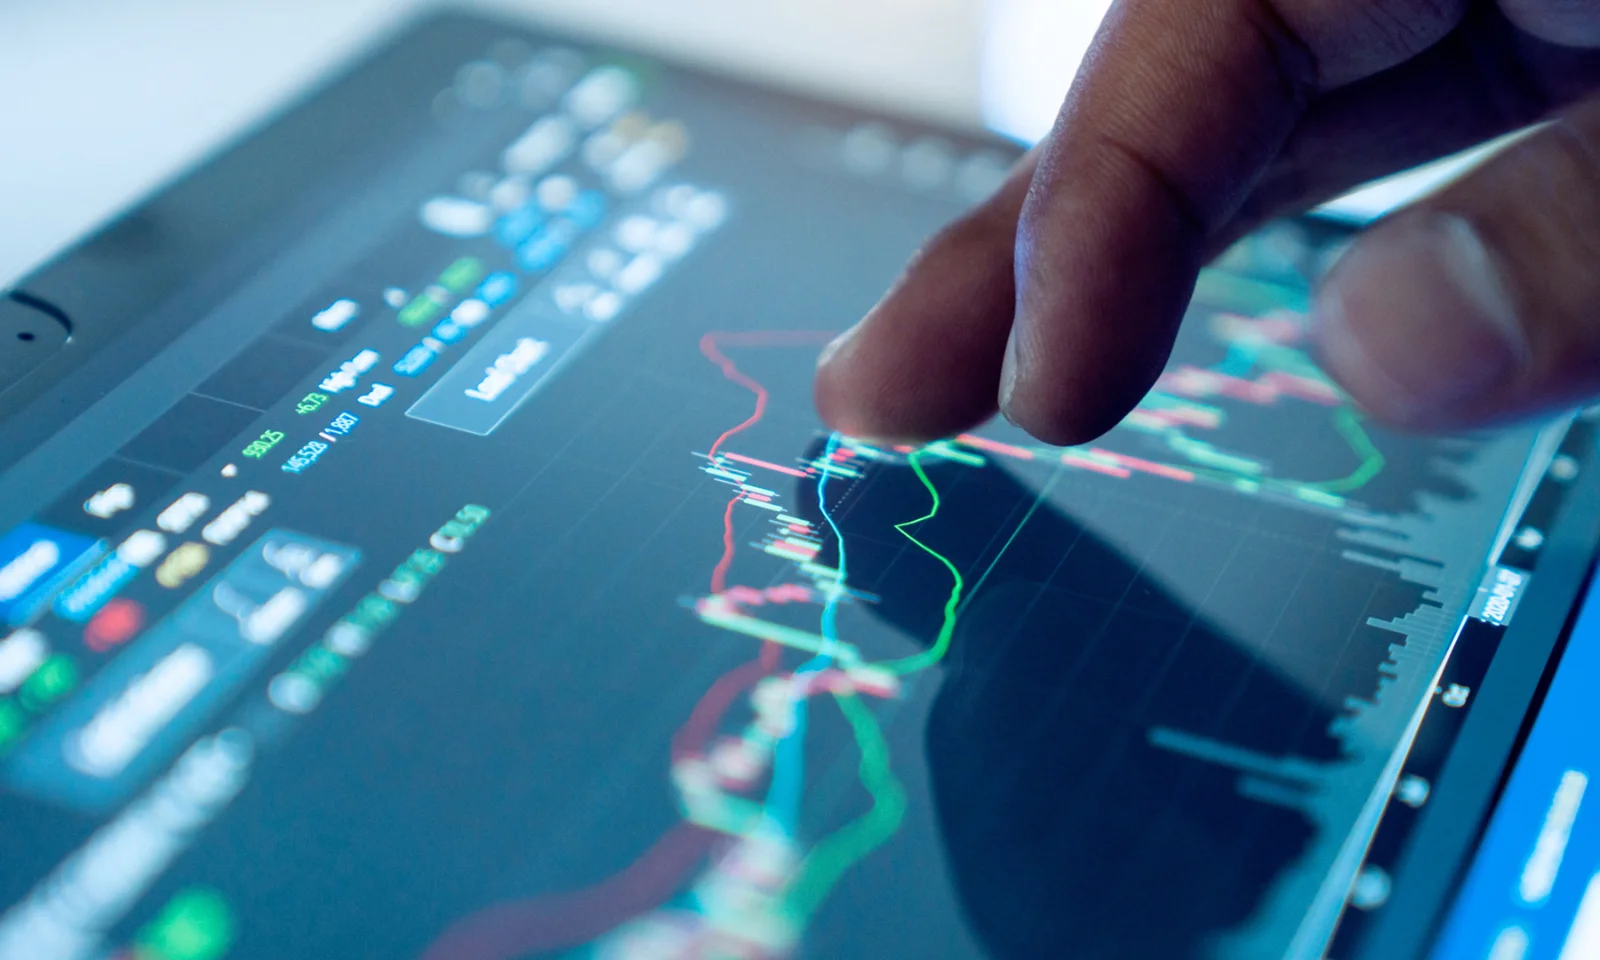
(496, 594)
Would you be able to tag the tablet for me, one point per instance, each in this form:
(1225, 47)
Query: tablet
(416, 541)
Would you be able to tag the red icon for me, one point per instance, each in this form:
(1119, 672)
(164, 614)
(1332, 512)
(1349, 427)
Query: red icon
(116, 622)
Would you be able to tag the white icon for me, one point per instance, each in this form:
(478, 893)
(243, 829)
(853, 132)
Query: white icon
(674, 240)
(603, 148)
(1529, 538)
(350, 371)
(1543, 865)
(480, 83)
(142, 548)
(604, 307)
(1511, 943)
(707, 211)
(510, 193)
(868, 149)
(637, 234)
(556, 193)
(508, 367)
(1456, 695)
(457, 217)
(126, 725)
(544, 145)
(110, 501)
(271, 621)
(604, 262)
(400, 591)
(22, 573)
(470, 312)
(262, 623)
(1371, 888)
(640, 274)
(233, 521)
(701, 210)
(639, 166)
(230, 471)
(377, 396)
(294, 693)
(573, 297)
(927, 164)
(395, 297)
(183, 513)
(348, 639)
(337, 316)
(601, 95)
(981, 175)
(1412, 790)
(20, 655)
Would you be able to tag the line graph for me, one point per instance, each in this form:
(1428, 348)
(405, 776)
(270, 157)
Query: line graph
(1265, 365)
(758, 849)
(735, 835)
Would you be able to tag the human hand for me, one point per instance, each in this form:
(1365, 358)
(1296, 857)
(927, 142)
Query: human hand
(1192, 122)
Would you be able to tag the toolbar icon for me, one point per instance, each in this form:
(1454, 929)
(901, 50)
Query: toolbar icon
(377, 396)
(336, 317)
(110, 501)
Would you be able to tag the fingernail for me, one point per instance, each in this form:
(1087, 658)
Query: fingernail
(1417, 320)
(835, 345)
(1009, 374)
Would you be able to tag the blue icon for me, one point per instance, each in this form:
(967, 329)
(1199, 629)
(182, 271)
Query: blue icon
(497, 288)
(34, 560)
(548, 246)
(587, 209)
(87, 594)
(514, 229)
(416, 360)
(448, 331)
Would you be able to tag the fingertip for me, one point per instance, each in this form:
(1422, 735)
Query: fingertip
(886, 379)
(841, 398)
(1416, 324)
(925, 362)
(1067, 415)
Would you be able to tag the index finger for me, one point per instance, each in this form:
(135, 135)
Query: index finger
(1178, 110)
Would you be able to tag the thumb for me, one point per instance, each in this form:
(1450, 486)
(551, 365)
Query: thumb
(1482, 303)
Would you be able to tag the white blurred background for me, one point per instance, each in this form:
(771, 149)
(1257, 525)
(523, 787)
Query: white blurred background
(103, 100)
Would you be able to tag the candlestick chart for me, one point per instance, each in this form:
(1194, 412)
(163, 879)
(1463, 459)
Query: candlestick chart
(1233, 604)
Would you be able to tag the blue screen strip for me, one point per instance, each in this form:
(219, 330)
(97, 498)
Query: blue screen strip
(1533, 891)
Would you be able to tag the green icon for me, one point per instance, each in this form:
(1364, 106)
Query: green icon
(321, 665)
(373, 612)
(13, 724)
(421, 310)
(456, 530)
(196, 924)
(429, 562)
(55, 678)
(462, 274)
(472, 514)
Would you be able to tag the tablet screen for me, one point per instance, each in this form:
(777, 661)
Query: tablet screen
(454, 567)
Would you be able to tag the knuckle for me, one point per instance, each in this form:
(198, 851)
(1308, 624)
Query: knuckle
(1403, 28)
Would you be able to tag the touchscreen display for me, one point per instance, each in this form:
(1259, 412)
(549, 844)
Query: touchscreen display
(475, 582)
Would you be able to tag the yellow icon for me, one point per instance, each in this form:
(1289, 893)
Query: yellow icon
(182, 564)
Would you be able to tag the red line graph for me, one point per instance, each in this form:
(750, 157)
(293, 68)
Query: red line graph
(711, 344)
(719, 574)
(752, 461)
(535, 925)
(517, 928)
